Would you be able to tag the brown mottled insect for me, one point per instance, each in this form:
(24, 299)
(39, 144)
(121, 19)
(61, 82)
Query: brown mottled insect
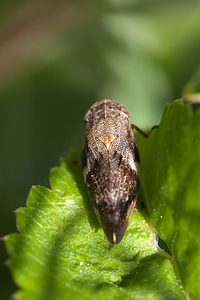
(109, 159)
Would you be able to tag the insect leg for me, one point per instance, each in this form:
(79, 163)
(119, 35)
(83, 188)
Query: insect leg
(142, 132)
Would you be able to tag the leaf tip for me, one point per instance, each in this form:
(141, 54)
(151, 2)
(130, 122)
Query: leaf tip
(4, 238)
(52, 169)
(15, 296)
(15, 211)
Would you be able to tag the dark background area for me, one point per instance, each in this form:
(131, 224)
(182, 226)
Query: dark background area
(59, 57)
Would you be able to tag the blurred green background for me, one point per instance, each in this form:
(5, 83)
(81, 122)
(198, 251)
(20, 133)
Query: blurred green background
(58, 57)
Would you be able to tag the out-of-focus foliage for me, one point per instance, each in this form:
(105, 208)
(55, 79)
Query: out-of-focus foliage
(58, 57)
(192, 89)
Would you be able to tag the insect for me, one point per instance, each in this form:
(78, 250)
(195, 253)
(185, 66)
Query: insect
(109, 158)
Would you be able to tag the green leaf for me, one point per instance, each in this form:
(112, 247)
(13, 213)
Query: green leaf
(60, 250)
(170, 180)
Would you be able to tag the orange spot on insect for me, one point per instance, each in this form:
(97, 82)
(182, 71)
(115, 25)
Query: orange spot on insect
(107, 138)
